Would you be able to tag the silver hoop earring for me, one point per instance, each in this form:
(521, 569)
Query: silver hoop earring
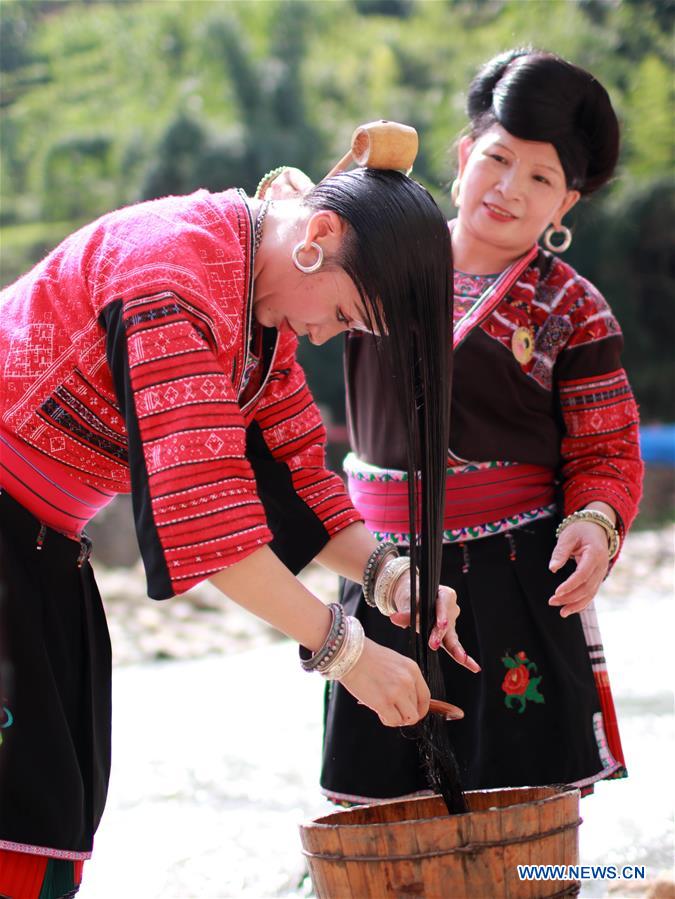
(454, 192)
(566, 242)
(307, 269)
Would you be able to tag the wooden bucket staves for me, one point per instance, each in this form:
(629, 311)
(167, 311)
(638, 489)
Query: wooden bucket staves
(413, 848)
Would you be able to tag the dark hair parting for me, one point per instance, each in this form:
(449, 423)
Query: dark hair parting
(398, 255)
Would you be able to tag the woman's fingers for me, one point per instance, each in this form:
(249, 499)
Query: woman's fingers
(578, 606)
(443, 632)
(447, 613)
(423, 697)
(588, 564)
(587, 543)
(400, 619)
(565, 548)
(577, 599)
(456, 651)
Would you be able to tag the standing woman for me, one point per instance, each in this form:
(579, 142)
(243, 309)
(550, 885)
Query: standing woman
(544, 473)
(153, 351)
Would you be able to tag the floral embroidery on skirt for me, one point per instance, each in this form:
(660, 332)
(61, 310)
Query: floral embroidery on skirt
(518, 684)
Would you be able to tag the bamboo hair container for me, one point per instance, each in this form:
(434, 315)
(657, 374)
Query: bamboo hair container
(381, 145)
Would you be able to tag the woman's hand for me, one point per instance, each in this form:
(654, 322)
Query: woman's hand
(586, 543)
(443, 633)
(390, 684)
(291, 183)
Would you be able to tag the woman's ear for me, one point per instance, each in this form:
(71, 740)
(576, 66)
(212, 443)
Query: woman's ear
(327, 228)
(464, 149)
(570, 200)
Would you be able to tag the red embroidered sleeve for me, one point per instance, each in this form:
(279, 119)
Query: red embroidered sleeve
(292, 429)
(190, 461)
(600, 447)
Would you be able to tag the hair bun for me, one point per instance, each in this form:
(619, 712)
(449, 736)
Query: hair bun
(481, 90)
(538, 96)
(597, 122)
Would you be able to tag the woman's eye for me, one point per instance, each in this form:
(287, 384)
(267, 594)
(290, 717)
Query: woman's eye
(341, 317)
(541, 179)
(497, 157)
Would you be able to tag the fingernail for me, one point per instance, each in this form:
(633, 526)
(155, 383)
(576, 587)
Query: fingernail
(474, 663)
(454, 716)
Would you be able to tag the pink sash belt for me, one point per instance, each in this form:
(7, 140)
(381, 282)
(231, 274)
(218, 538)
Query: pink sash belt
(476, 493)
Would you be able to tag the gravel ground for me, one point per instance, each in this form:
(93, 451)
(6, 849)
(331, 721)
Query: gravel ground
(203, 622)
(216, 746)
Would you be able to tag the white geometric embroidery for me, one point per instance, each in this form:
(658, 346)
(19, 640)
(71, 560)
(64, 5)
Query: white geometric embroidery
(214, 443)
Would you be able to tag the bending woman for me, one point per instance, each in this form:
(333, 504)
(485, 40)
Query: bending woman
(544, 472)
(154, 352)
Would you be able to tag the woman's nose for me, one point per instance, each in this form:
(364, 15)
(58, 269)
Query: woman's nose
(511, 183)
(320, 334)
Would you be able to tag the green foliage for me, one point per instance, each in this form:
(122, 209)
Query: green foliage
(77, 175)
(105, 103)
(626, 246)
(14, 38)
(399, 8)
(174, 168)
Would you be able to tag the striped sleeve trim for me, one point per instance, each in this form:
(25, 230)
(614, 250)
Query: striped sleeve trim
(601, 450)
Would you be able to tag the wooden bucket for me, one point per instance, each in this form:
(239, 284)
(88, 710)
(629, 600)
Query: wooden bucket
(413, 848)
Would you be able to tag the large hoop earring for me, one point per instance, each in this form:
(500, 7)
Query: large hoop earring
(307, 269)
(566, 242)
(454, 192)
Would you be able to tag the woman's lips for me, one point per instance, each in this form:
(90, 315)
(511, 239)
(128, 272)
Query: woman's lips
(497, 213)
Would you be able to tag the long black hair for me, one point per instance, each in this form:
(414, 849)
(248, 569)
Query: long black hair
(536, 95)
(398, 255)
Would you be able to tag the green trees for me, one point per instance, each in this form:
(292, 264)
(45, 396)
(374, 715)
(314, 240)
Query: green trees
(626, 245)
(106, 103)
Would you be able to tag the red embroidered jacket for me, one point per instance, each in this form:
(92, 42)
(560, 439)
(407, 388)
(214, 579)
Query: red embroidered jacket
(125, 360)
(570, 408)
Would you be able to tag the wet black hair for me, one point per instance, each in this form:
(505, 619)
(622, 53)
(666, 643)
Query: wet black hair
(536, 95)
(397, 252)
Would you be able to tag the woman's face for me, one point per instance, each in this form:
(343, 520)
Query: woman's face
(510, 190)
(319, 305)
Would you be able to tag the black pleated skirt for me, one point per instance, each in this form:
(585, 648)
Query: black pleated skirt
(534, 714)
(55, 682)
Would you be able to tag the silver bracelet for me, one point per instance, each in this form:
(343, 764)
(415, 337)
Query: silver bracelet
(386, 581)
(373, 566)
(349, 653)
(598, 517)
(331, 645)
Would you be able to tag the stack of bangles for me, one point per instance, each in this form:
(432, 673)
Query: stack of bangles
(382, 575)
(341, 649)
(343, 645)
(597, 517)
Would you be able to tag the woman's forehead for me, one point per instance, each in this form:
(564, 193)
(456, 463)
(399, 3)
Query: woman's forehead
(539, 152)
